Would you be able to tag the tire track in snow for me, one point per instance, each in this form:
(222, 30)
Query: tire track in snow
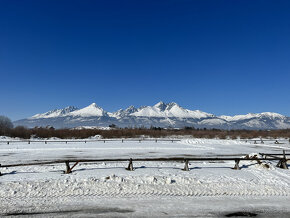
(129, 188)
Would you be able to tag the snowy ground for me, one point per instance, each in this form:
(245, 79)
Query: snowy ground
(153, 189)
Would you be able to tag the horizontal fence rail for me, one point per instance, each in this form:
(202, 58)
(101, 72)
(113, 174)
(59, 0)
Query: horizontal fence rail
(269, 154)
(176, 159)
(88, 141)
(273, 157)
(255, 141)
(269, 140)
(276, 141)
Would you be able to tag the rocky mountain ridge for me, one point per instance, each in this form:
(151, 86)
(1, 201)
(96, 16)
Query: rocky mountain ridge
(160, 115)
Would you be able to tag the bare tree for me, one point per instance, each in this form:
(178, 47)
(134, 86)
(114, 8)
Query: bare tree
(5, 125)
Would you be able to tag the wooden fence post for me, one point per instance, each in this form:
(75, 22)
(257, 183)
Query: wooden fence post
(186, 168)
(237, 167)
(283, 162)
(130, 166)
(8, 143)
(67, 167)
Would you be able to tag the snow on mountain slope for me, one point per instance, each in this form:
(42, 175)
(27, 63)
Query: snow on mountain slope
(213, 122)
(252, 115)
(272, 115)
(55, 113)
(122, 113)
(160, 115)
(169, 110)
(90, 111)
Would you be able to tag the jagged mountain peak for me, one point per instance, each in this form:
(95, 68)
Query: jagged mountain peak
(161, 105)
(93, 110)
(159, 115)
(267, 115)
(55, 113)
(122, 113)
(130, 108)
(92, 105)
(68, 109)
(272, 115)
(174, 105)
(172, 109)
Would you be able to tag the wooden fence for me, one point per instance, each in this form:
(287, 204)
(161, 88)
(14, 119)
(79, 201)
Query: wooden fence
(255, 141)
(88, 141)
(265, 156)
(262, 141)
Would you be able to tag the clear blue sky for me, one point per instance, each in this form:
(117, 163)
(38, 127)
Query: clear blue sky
(223, 57)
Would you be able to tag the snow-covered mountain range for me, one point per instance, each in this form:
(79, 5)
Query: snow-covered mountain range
(159, 115)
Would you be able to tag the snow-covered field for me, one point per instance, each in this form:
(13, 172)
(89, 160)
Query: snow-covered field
(152, 189)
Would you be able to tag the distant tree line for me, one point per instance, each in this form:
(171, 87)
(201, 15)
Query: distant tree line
(7, 129)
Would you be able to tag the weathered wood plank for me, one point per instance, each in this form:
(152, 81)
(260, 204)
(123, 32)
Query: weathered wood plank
(142, 159)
